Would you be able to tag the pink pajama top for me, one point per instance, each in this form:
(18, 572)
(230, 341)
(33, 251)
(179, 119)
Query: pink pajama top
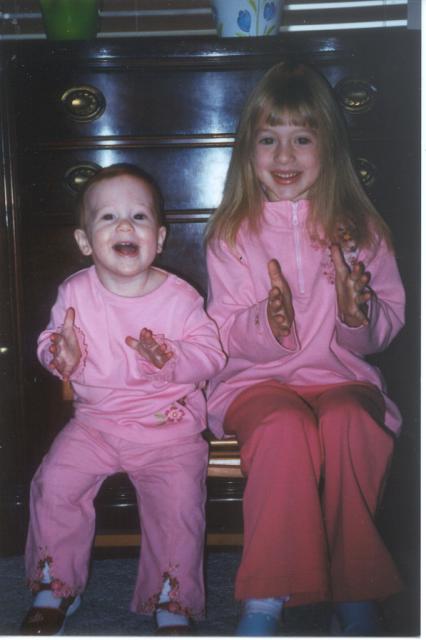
(320, 348)
(115, 389)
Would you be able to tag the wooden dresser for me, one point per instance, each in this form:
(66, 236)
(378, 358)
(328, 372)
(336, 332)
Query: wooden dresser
(172, 106)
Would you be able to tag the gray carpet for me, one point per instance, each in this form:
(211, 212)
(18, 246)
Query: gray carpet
(104, 610)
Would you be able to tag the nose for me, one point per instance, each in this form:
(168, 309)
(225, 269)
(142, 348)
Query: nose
(124, 224)
(284, 152)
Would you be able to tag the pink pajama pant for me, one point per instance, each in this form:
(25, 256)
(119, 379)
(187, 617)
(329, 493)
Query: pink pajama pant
(169, 479)
(316, 462)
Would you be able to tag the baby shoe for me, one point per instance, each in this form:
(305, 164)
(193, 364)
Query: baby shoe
(49, 621)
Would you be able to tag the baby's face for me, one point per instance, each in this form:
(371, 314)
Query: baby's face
(123, 234)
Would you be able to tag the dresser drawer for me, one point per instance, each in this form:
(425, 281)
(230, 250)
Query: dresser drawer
(191, 178)
(133, 97)
(156, 102)
(373, 96)
(388, 169)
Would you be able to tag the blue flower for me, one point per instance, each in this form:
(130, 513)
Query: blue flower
(244, 20)
(269, 10)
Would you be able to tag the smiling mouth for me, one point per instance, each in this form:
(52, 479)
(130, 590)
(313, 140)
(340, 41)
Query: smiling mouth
(126, 248)
(287, 177)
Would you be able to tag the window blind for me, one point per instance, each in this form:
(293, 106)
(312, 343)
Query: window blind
(21, 19)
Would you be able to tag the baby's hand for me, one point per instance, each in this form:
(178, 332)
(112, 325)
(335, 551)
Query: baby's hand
(280, 306)
(65, 348)
(352, 290)
(156, 353)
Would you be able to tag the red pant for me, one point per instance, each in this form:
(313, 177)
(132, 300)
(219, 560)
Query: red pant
(316, 460)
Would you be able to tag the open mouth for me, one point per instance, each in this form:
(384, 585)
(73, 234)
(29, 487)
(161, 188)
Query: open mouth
(285, 177)
(126, 248)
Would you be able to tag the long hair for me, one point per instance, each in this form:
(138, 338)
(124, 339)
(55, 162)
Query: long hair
(298, 94)
(114, 171)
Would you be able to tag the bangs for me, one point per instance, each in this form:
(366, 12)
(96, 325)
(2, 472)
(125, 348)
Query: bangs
(291, 97)
(297, 115)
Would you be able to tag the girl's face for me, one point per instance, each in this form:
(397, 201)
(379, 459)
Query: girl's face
(123, 236)
(286, 160)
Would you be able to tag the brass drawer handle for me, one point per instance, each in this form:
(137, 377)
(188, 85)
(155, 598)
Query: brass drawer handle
(84, 103)
(356, 96)
(76, 176)
(367, 171)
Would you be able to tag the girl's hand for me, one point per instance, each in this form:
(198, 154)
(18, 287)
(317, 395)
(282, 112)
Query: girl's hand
(156, 353)
(351, 289)
(65, 348)
(280, 306)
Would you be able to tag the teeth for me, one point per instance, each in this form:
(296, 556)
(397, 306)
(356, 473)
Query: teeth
(286, 175)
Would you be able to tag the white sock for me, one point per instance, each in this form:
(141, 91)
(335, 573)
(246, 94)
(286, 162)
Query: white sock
(45, 598)
(166, 618)
(268, 606)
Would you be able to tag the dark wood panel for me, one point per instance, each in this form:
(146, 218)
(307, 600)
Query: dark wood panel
(138, 102)
(194, 101)
(190, 178)
(391, 171)
(184, 253)
(13, 484)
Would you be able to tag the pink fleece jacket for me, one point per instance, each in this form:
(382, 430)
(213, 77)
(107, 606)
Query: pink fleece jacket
(118, 391)
(320, 348)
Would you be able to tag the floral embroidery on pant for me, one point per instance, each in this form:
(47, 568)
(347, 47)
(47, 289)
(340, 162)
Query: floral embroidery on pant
(58, 588)
(173, 604)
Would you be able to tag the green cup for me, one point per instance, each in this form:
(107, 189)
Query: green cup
(70, 19)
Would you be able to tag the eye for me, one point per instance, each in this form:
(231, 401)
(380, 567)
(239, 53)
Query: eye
(140, 216)
(307, 138)
(107, 216)
(303, 140)
(266, 140)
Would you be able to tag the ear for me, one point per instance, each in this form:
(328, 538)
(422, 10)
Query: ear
(83, 242)
(162, 232)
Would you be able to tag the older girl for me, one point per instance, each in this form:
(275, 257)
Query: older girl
(303, 284)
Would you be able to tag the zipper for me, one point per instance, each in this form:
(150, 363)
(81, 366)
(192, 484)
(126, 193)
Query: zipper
(297, 248)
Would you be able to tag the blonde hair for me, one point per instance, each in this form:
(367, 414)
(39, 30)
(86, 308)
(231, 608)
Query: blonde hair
(115, 171)
(303, 97)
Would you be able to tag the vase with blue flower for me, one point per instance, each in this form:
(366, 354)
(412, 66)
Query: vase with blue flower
(240, 18)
